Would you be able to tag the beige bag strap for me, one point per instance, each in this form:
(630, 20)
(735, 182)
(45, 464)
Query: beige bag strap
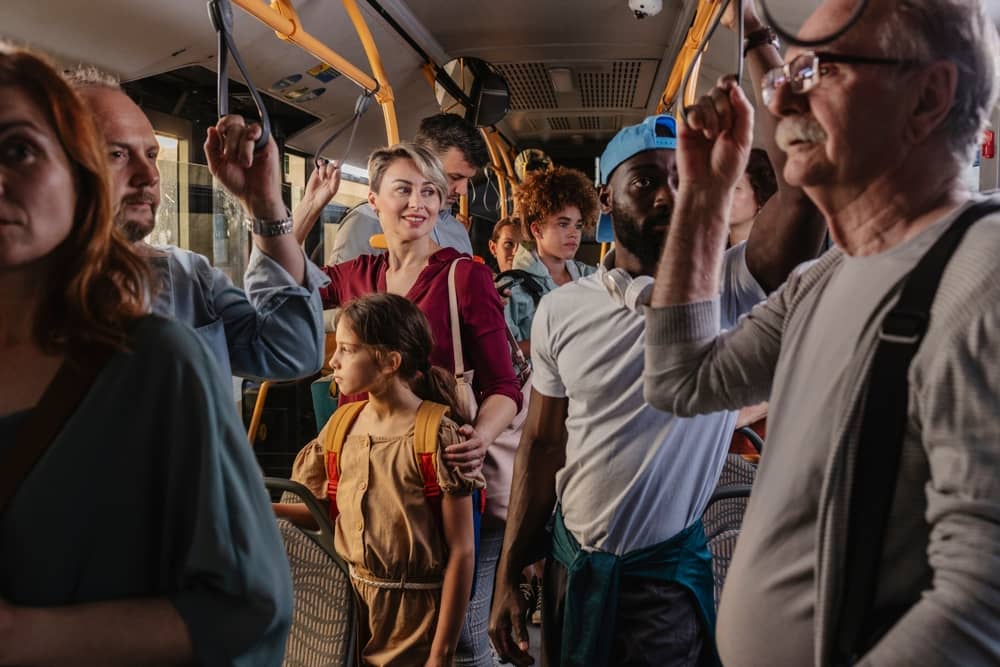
(456, 325)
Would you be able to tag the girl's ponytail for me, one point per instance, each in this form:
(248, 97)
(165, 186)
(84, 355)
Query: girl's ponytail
(438, 385)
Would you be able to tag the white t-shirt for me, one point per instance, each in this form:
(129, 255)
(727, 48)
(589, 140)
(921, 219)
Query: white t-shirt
(634, 476)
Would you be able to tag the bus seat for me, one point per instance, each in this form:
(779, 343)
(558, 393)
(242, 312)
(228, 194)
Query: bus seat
(377, 241)
(724, 514)
(324, 400)
(324, 620)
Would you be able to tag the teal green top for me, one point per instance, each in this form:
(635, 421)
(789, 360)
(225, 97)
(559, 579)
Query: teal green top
(593, 579)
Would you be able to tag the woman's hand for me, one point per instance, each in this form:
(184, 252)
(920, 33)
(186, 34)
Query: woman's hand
(467, 455)
(438, 661)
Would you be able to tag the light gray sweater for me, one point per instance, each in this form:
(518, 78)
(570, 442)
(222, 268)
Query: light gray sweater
(941, 556)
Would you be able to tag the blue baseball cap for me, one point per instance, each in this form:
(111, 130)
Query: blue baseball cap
(653, 133)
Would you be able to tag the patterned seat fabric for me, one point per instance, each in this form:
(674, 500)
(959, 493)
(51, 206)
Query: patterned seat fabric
(724, 515)
(324, 621)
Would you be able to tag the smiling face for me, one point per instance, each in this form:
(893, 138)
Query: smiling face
(132, 150)
(558, 235)
(640, 197)
(37, 189)
(407, 201)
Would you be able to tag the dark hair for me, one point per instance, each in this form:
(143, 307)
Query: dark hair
(545, 193)
(96, 284)
(761, 175)
(504, 222)
(447, 130)
(391, 323)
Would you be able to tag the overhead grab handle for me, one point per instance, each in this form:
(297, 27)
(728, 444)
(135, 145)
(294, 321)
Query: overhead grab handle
(360, 107)
(221, 14)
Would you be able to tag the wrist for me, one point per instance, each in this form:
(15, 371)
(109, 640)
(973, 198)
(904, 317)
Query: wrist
(266, 208)
(270, 227)
(761, 36)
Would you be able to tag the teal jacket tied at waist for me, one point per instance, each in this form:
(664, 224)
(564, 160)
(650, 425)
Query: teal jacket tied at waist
(593, 578)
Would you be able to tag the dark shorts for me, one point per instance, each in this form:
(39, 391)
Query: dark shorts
(657, 623)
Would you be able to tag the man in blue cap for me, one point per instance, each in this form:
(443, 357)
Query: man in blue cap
(629, 577)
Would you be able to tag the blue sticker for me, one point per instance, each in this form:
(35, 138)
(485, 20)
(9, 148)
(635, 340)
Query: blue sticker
(323, 72)
(281, 84)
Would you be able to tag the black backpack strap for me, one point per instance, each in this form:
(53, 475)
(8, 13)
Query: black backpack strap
(526, 280)
(881, 440)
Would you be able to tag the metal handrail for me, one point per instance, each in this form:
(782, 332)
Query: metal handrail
(281, 17)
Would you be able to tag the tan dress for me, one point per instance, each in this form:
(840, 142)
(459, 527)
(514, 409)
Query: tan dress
(389, 534)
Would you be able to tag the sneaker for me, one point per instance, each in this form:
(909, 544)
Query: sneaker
(536, 612)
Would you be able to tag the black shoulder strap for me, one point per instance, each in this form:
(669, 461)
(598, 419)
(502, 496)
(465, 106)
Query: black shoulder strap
(529, 282)
(70, 384)
(881, 441)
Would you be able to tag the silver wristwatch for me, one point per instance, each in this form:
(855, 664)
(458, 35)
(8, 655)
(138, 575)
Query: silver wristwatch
(270, 227)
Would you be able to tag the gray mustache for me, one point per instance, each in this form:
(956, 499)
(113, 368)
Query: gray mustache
(790, 130)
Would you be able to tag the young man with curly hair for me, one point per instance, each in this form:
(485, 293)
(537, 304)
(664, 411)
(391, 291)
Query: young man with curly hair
(555, 207)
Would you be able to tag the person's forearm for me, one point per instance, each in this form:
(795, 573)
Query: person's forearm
(121, 632)
(532, 500)
(454, 600)
(284, 249)
(304, 217)
(495, 415)
(691, 263)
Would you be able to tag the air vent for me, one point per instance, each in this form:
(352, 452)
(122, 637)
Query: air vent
(589, 122)
(530, 85)
(609, 90)
(558, 122)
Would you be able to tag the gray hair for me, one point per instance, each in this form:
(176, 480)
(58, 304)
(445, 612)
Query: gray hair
(426, 161)
(88, 76)
(961, 32)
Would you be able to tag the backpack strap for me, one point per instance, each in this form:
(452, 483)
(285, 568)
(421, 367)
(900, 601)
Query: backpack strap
(425, 444)
(336, 434)
(883, 427)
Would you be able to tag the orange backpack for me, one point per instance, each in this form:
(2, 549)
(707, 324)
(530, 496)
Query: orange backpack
(425, 445)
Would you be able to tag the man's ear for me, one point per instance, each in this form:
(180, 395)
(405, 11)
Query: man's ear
(604, 197)
(936, 86)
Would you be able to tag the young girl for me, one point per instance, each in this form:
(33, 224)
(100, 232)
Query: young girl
(411, 563)
(555, 207)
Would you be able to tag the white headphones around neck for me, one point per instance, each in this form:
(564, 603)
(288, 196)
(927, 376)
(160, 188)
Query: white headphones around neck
(626, 290)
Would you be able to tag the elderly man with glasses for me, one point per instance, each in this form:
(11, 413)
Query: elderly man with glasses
(873, 533)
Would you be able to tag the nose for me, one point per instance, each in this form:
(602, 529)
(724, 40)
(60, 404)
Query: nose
(665, 194)
(335, 360)
(785, 102)
(416, 199)
(144, 172)
(460, 187)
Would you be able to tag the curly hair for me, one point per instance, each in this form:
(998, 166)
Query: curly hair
(546, 193)
(97, 284)
(761, 175)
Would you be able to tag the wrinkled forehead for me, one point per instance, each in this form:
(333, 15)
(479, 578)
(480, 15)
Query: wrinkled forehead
(118, 117)
(831, 16)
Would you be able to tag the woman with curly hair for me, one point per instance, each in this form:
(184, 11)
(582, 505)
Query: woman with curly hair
(555, 207)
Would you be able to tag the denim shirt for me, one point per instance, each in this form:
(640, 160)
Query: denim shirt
(520, 308)
(272, 331)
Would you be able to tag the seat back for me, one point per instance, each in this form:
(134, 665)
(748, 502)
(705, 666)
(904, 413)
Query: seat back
(324, 621)
(724, 515)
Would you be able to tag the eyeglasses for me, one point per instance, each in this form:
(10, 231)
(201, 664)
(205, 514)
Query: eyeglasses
(804, 72)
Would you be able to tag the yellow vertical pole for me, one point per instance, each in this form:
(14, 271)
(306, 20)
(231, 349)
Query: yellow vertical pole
(384, 94)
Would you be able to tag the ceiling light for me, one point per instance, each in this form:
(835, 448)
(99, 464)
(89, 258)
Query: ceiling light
(562, 79)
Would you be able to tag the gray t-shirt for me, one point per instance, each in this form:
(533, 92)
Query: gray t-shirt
(772, 568)
(361, 223)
